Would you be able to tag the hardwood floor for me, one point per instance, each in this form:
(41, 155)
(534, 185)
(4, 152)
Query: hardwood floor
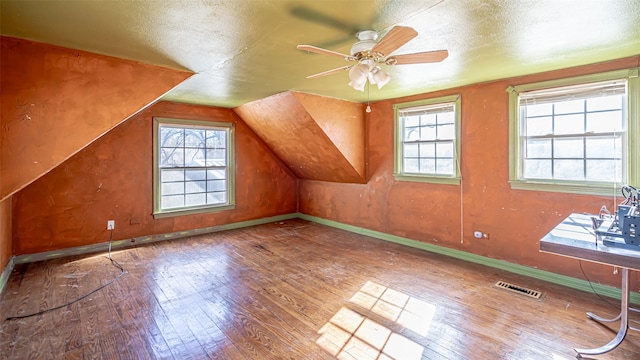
(292, 290)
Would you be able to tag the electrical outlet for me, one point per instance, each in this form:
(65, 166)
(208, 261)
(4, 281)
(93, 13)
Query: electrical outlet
(485, 236)
(477, 234)
(111, 224)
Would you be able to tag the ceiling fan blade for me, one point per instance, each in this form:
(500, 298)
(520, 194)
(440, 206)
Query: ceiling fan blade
(419, 58)
(317, 50)
(320, 18)
(329, 72)
(394, 39)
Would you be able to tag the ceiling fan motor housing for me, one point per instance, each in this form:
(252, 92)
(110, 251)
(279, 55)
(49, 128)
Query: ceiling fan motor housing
(367, 41)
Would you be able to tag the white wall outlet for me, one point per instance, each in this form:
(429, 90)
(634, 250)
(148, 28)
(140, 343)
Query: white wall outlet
(477, 234)
(111, 224)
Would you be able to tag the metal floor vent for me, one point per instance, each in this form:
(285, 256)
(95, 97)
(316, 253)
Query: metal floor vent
(518, 289)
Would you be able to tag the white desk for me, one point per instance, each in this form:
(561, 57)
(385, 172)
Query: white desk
(574, 237)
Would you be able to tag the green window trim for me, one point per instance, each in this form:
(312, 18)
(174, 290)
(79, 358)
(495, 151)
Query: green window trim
(632, 160)
(230, 161)
(398, 174)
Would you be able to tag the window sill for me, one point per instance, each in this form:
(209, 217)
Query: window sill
(173, 213)
(570, 188)
(428, 179)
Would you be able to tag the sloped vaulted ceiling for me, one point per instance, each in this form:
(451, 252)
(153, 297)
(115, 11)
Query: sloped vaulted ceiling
(319, 138)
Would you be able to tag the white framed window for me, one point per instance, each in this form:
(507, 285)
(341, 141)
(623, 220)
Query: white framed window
(575, 135)
(427, 145)
(193, 166)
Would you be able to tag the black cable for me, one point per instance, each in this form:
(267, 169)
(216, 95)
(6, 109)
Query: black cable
(113, 262)
(628, 194)
(593, 289)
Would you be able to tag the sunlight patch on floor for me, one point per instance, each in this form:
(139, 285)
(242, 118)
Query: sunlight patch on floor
(351, 335)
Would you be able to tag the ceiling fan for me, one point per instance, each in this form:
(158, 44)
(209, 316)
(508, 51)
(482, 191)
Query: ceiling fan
(368, 53)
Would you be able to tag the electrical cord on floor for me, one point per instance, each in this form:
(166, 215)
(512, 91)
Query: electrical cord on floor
(113, 262)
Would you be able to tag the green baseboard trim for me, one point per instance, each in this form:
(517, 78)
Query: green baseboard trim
(4, 277)
(123, 243)
(548, 276)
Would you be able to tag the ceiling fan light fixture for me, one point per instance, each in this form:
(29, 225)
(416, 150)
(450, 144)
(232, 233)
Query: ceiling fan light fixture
(379, 77)
(358, 75)
(368, 52)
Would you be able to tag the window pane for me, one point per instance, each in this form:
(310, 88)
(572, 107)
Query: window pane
(427, 166)
(446, 132)
(428, 120)
(568, 107)
(604, 170)
(194, 138)
(446, 118)
(195, 199)
(568, 148)
(216, 157)
(195, 186)
(412, 134)
(539, 126)
(194, 157)
(428, 132)
(538, 109)
(171, 202)
(411, 150)
(171, 175)
(216, 198)
(411, 121)
(216, 174)
(411, 166)
(171, 157)
(173, 188)
(537, 169)
(604, 103)
(444, 150)
(538, 148)
(568, 169)
(216, 139)
(444, 166)
(171, 137)
(569, 124)
(216, 185)
(428, 149)
(604, 148)
(196, 174)
(606, 121)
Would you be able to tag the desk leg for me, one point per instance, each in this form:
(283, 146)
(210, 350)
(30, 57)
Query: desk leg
(624, 321)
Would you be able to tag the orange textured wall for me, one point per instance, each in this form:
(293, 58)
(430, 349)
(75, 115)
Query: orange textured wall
(55, 101)
(112, 179)
(5, 233)
(447, 215)
(304, 131)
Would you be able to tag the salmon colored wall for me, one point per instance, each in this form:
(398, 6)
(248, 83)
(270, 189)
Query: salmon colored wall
(112, 179)
(305, 137)
(343, 122)
(56, 100)
(515, 219)
(5, 233)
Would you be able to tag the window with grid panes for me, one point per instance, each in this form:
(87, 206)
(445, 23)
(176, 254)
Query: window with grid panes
(427, 135)
(192, 166)
(575, 135)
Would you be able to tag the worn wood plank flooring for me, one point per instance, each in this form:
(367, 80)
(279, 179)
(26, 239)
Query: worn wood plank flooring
(293, 290)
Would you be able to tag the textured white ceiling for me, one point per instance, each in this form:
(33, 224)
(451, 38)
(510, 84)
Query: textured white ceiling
(243, 50)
